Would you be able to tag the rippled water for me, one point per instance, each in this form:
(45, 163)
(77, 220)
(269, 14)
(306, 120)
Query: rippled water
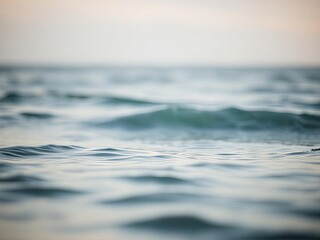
(159, 153)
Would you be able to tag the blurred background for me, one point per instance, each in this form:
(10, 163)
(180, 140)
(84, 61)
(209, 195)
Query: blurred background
(177, 32)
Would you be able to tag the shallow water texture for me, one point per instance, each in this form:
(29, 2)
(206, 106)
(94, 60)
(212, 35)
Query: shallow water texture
(159, 153)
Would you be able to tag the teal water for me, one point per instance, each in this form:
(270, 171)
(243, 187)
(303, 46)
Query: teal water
(159, 153)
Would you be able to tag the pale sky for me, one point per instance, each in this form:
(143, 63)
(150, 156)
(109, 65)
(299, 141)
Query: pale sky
(164, 32)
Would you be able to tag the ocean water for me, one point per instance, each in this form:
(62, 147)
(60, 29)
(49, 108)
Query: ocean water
(159, 153)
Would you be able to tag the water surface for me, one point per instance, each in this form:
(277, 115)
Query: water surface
(159, 153)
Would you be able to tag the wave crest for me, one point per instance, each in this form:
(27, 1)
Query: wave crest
(230, 118)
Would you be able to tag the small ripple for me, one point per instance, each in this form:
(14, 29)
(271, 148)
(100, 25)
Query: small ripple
(290, 175)
(37, 115)
(185, 223)
(227, 154)
(104, 99)
(28, 151)
(278, 204)
(127, 101)
(109, 153)
(296, 153)
(20, 178)
(152, 198)
(105, 154)
(284, 236)
(38, 191)
(307, 212)
(108, 149)
(122, 154)
(157, 179)
(16, 97)
(233, 166)
(229, 166)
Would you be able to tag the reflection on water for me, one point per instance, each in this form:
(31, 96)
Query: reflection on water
(171, 153)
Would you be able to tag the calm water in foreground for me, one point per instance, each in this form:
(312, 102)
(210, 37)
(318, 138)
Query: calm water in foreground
(159, 153)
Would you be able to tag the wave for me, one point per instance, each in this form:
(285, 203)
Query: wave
(315, 149)
(109, 99)
(15, 97)
(179, 223)
(29, 151)
(157, 179)
(282, 235)
(229, 118)
(127, 100)
(153, 198)
(42, 191)
(20, 178)
(37, 115)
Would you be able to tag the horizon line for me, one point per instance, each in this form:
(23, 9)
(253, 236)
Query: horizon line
(35, 65)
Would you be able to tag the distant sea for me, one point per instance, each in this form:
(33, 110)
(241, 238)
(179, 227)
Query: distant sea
(159, 153)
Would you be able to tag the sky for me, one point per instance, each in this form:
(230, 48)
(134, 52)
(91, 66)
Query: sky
(160, 32)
